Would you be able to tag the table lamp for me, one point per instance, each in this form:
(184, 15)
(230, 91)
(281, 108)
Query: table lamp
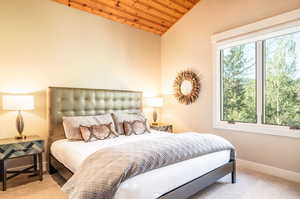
(18, 103)
(154, 102)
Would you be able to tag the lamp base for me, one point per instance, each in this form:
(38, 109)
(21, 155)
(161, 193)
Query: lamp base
(154, 116)
(20, 137)
(20, 126)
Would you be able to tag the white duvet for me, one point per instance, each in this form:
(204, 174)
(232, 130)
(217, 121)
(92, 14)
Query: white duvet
(149, 185)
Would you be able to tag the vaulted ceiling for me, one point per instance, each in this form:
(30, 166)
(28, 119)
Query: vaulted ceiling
(155, 16)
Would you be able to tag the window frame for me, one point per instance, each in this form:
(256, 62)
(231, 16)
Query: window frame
(257, 32)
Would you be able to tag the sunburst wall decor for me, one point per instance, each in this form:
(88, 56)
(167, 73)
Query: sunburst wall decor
(187, 87)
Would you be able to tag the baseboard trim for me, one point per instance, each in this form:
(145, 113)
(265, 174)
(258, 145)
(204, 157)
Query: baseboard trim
(274, 171)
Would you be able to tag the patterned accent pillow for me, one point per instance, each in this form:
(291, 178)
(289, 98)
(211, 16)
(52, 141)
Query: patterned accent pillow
(136, 127)
(98, 132)
(120, 117)
(72, 124)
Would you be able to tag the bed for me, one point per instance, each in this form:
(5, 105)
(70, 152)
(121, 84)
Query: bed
(176, 181)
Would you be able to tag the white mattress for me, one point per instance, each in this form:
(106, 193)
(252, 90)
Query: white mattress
(149, 185)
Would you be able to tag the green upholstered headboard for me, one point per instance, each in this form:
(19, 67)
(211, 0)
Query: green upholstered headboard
(83, 102)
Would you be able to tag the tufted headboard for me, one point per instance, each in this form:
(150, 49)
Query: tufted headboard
(81, 101)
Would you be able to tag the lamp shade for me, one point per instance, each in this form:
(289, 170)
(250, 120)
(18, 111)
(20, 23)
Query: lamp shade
(18, 102)
(154, 102)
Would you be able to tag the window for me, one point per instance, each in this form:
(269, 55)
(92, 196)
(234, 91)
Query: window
(282, 80)
(257, 77)
(239, 83)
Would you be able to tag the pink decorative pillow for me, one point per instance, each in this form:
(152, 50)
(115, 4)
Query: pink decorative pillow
(136, 127)
(98, 132)
(72, 124)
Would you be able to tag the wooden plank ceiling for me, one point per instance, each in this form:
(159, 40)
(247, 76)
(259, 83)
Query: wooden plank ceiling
(155, 16)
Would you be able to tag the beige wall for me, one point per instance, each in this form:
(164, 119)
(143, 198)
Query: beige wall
(187, 45)
(43, 43)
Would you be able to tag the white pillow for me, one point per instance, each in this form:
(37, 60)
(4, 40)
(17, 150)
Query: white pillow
(72, 124)
(120, 117)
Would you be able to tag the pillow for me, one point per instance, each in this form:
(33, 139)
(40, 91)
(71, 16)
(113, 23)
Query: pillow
(72, 124)
(120, 117)
(98, 132)
(136, 127)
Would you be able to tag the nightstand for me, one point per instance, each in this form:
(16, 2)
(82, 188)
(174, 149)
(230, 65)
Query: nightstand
(162, 127)
(14, 148)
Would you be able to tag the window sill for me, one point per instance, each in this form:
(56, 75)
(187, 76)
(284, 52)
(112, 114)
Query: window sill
(258, 129)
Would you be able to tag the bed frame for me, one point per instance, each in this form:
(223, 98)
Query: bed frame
(80, 102)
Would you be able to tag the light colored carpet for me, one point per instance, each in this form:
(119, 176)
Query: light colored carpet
(250, 185)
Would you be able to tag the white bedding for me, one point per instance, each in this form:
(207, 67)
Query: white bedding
(149, 185)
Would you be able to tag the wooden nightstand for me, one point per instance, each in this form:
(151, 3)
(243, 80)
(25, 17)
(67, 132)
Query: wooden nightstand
(14, 148)
(162, 127)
